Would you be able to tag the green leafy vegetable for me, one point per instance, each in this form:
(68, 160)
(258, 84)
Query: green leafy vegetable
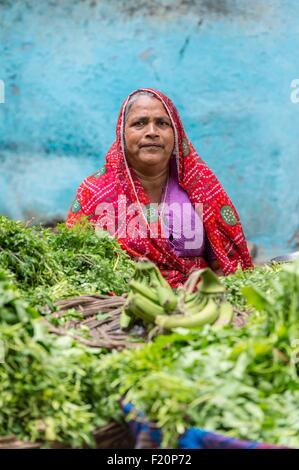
(48, 266)
(47, 391)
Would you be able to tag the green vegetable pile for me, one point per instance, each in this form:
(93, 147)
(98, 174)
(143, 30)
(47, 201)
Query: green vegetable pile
(48, 266)
(47, 391)
(241, 382)
(48, 386)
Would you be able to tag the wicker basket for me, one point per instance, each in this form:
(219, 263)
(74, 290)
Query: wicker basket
(104, 330)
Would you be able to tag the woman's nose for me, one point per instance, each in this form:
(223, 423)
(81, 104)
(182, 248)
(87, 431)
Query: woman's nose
(151, 130)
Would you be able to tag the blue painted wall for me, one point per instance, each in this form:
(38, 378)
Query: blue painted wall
(228, 66)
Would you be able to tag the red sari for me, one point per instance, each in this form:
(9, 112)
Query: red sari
(117, 179)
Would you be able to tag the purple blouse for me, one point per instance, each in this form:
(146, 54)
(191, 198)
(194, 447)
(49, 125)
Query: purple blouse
(180, 222)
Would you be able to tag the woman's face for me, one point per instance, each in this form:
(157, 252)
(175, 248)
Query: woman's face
(149, 137)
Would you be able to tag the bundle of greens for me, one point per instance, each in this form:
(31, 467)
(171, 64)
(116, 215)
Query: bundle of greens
(281, 309)
(241, 382)
(47, 266)
(261, 276)
(47, 390)
(26, 254)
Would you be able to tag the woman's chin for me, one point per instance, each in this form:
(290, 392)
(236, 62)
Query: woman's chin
(151, 158)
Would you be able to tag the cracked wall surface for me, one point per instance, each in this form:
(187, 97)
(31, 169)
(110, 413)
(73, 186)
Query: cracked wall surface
(227, 64)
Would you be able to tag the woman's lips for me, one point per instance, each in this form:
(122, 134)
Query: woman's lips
(151, 145)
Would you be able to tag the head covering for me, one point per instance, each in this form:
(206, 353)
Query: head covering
(117, 178)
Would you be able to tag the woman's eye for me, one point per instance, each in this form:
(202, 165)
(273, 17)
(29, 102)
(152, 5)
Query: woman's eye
(143, 123)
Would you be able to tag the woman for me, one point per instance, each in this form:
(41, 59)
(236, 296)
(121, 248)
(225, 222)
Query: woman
(157, 196)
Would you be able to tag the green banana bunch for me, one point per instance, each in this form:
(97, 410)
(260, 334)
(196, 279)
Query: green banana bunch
(143, 308)
(194, 303)
(167, 298)
(143, 288)
(208, 314)
(150, 295)
(153, 285)
(151, 299)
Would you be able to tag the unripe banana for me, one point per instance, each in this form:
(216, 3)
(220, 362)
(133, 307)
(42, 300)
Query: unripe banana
(156, 277)
(124, 320)
(191, 297)
(140, 313)
(143, 289)
(166, 297)
(171, 304)
(208, 315)
(144, 308)
(162, 293)
(198, 304)
(181, 295)
(226, 313)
